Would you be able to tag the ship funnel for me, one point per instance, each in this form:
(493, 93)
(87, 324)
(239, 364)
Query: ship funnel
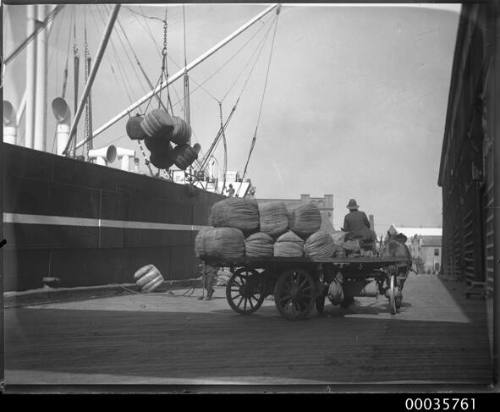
(62, 114)
(125, 155)
(9, 123)
(104, 155)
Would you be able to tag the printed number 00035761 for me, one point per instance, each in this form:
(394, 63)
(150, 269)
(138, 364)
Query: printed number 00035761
(440, 404)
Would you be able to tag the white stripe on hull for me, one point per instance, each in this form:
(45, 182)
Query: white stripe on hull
(87, 222)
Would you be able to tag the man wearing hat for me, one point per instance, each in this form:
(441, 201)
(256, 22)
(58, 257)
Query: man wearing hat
(356, 223)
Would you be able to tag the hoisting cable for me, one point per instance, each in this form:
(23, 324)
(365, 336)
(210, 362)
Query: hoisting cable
(254, 138)
(164, 65)
(141, 68)
(147, 30)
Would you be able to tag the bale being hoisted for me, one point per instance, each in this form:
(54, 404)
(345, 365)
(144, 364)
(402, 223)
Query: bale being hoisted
(158, 123)
(134, 129)
(236, 212)
(161, 152)
(184, 155)
(181, 132)
(305, 220)
(273, 218)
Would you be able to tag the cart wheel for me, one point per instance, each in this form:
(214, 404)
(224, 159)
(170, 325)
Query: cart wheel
(393, 295)
(244, 291)
(295, 294)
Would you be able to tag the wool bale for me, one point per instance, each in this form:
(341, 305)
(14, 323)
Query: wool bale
(223, 243)
(236, 212)
(259, 245)
(148, 278)
(134, 129)
(335, 292)
(199, 243)
(159, 145)
(273, 218)
(352, 247)
(161, 162)
(157, 122)
(305, 219)
(289, 245)
(338, 251)
(319, 246)
(338, 237)
(181, 132)
(184, 156)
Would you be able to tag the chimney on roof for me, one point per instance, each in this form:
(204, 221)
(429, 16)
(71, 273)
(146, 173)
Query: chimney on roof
(372, 222)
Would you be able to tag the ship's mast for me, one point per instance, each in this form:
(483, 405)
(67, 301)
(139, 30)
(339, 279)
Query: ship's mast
(40, 135)
(30, 78)
(93, 72)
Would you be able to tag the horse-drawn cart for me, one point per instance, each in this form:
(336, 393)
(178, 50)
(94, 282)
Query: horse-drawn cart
(300, 284)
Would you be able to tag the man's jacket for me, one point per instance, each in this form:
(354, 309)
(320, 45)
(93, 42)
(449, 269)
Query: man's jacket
(356, 222)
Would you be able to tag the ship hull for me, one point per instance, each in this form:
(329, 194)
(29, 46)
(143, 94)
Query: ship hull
(87, 225)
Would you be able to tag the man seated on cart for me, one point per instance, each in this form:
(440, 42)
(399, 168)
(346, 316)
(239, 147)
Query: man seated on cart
(357, 226)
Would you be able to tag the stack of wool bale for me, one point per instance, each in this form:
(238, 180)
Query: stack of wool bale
(166, 136)
(242, 228)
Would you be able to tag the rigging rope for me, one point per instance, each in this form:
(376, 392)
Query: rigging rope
(127, 55)
(66, 66)
(123, 76)
(225, 149)
(86, 70)
(141, 68)
(260, 47)
(254, 138)
(223, 65)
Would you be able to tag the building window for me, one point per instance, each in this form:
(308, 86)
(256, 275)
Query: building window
(436, 252)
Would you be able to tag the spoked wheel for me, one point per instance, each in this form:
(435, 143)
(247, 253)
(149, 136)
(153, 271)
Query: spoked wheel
(295, 294)
(393, 292)
(244, 291)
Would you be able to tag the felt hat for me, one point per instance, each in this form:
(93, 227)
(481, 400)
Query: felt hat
(352, 204)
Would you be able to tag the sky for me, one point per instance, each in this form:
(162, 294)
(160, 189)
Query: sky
(354, 106)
